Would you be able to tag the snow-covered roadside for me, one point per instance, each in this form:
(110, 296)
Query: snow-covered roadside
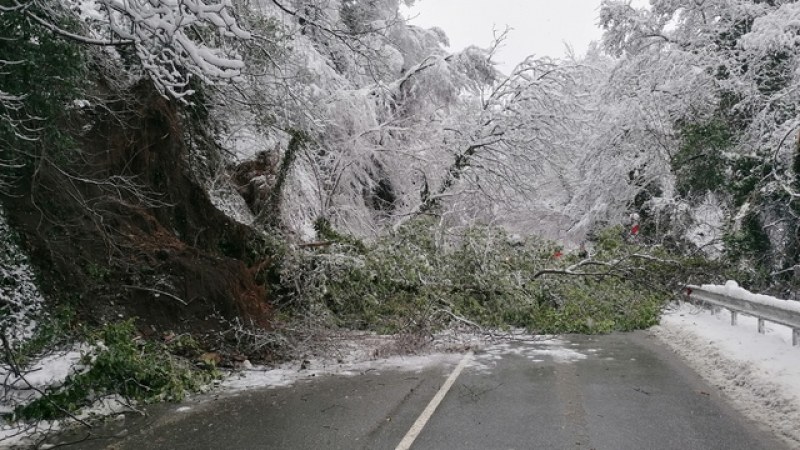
(342, 354)
(48, 372)
(28, 435)
(760, 374)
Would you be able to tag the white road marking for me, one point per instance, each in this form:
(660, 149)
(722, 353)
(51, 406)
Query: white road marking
(422, 420)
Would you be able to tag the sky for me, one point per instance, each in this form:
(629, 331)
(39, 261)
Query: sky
(540, 27)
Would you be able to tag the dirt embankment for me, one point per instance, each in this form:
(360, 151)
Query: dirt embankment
(120, 227)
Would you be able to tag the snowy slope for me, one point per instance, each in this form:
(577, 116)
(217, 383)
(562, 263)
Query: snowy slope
(760, 374)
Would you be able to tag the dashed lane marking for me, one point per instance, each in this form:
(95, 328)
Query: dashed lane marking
(423, 419)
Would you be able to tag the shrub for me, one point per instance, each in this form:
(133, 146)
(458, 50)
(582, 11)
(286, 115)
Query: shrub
(124, 365)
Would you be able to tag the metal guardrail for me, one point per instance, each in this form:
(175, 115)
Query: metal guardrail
(760, 311)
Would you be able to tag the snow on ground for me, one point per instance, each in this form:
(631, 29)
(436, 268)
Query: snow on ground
(27, 435)
(288, 374)
(357, 356)
(538, 349)
(49, 371)
(348, 354)
(760, 374)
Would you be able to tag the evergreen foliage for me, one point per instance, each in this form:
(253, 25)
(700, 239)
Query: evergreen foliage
(421, 279)
(47, 73)
(120, 364)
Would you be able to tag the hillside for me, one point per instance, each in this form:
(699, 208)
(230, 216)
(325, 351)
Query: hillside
(208, 183)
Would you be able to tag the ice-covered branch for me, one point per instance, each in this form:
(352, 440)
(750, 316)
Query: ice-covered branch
(174, 40)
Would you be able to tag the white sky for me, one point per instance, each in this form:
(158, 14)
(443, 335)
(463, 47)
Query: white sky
(540, 27)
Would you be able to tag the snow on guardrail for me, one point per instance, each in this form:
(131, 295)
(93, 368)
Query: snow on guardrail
(739, 300)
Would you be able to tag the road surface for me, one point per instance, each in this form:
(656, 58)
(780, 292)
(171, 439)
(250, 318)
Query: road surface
(621, 391)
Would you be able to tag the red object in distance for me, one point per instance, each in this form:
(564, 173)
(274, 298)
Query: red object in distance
(635, 229)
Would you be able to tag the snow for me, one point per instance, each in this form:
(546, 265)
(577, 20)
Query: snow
(487, 353)
(708, 221)
(538, 349)
(776, 30)
(159, 30)
(52, 369)
(354, 354)
(89, 10)
(49, 371)
(26, 435)
(289, 374)
(81, 103)
(225, 198)
(18, 292)
(349, 354)
(760, 374)
(731, 288)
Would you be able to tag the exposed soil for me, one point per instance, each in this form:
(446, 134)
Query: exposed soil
(161, 252)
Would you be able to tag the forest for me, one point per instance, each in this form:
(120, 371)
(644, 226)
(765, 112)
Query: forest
(216, 181)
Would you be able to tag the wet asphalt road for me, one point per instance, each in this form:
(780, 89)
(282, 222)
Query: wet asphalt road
(615, 392)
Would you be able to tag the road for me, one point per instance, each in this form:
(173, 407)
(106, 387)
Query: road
(621, 391)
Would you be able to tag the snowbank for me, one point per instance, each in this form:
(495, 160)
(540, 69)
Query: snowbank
(760, 374)
(731, 288)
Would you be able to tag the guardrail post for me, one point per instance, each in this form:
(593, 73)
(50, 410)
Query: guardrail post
(761, 329)
(796, 337)
(734, 318)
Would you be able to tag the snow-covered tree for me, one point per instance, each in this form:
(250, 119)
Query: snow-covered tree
(720, 77)
(172, 40)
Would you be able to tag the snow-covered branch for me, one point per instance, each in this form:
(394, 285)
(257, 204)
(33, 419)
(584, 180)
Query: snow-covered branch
(174, 40)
